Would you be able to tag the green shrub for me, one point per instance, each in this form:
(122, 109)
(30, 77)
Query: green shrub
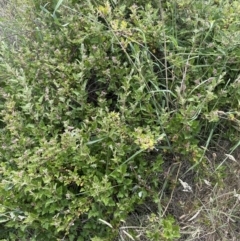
(73, 151)
(96, 98)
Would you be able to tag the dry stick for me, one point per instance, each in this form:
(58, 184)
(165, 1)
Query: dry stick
(165, 209)
(165, 52)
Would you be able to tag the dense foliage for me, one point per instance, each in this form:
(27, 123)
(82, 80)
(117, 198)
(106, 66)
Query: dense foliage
(95, 97)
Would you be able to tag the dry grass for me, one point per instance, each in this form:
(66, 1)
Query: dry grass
(210, 213)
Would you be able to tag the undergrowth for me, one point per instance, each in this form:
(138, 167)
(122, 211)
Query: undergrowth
(119, 120)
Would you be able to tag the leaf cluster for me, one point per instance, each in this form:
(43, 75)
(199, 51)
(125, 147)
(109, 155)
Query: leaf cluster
(97, 97)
